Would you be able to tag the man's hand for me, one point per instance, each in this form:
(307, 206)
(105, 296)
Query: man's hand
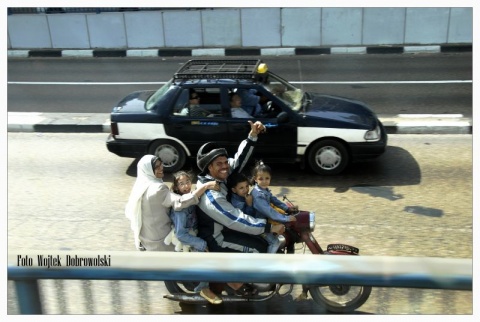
(202, 187)
(256, 128)
(212, 185)
(292, 210)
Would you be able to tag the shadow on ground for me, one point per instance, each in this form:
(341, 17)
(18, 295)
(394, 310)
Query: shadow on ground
(396, 167)
(276, 305)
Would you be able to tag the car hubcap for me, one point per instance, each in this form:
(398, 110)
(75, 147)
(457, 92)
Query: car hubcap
(328, 158)
(168, 155)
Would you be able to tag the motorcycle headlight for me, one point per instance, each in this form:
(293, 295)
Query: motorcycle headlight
(312, 221)
(373, 135)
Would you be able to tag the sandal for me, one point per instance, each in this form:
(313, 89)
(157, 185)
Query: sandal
(206, 293)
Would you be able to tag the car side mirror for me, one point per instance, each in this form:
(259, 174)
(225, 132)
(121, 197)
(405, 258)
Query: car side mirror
(282, 117)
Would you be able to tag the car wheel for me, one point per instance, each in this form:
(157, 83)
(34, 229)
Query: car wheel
(328, 157)
(171, 154)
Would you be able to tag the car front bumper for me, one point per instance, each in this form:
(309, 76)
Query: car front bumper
(369, 150)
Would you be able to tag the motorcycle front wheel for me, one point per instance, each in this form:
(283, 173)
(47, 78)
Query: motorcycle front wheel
(340, 298)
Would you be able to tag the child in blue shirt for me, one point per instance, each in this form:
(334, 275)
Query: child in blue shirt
(239, 197)
(263, 199)
(185, 224)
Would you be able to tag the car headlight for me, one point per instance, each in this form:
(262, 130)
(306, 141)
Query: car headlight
(373, 135)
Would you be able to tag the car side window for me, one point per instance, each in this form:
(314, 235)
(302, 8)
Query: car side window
(210, 101)
(205, 104)
(251, 102)
(181, 105)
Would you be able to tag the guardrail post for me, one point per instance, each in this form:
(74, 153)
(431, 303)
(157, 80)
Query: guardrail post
(28, 296)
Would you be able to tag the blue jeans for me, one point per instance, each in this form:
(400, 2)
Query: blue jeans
(273, 242)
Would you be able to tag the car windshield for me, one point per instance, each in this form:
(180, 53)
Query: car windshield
(152, 100)
(285, 91)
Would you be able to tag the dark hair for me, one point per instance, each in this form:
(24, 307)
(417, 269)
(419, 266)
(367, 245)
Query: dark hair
(234, 179)
(260, 167)
(191, 92)
(176, 177)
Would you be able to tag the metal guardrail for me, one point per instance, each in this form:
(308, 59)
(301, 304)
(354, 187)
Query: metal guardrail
(26, 268)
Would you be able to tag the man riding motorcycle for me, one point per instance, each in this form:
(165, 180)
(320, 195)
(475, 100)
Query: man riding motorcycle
(224, 227)
(227, 229)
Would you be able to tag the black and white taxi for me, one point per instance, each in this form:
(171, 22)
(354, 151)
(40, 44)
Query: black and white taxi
(325, 132)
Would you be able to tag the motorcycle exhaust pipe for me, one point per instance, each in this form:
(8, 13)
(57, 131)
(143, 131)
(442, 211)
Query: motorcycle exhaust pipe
(187, 298)
(197, 299)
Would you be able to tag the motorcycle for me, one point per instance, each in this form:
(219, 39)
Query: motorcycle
(333, 298)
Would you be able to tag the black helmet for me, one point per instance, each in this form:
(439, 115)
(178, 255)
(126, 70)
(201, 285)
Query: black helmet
(207, 153)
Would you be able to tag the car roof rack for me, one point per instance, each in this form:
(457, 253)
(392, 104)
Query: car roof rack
(218, 69)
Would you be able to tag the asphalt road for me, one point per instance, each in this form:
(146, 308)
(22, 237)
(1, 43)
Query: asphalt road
(402, 83)
(66, 192)
(416, 200)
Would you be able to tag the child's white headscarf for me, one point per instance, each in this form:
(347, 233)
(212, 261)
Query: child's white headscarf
(133, 209)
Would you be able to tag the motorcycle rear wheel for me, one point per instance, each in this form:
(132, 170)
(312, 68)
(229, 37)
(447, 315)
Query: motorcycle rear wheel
(340, 298)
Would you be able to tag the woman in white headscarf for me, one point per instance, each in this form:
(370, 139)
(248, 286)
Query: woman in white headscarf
(149, 204)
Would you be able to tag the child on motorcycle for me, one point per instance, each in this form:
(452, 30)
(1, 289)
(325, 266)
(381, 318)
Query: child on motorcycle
(184, 231)
(240, 198)
(265, 203)
(238, 188)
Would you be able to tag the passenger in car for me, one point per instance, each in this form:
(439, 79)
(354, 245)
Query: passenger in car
(251, 102)
(193, 109)
(236, 107)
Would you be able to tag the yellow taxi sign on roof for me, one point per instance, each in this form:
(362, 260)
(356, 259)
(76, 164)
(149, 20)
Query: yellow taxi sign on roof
(262, 68)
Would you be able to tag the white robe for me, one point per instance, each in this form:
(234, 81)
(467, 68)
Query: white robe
(149, 205)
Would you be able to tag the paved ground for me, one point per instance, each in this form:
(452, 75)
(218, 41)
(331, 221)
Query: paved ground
(387, 207)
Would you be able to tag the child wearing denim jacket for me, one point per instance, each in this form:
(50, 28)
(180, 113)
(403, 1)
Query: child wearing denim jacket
(184, 232)
(240, 198)
(264, 202)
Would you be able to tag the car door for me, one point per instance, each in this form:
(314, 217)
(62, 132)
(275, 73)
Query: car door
(195, 130)
(279, 143)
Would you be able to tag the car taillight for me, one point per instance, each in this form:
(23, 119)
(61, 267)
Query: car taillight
(114, 128)
(373, 135)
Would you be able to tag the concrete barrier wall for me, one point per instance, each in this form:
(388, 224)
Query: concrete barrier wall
(241, 27)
